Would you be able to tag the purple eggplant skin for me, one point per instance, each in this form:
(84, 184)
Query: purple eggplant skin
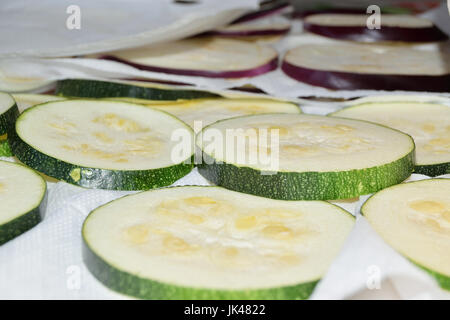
(269, 66)
(364, 34)
(353, 81)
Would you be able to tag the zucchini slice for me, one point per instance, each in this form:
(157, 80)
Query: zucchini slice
(204, 56)
(414, 218)
(393, 27)
(426, 119)
(369, 66)
(85, 88)
(21, 192)
(195, 242)
(316, 157)
(202, 112)
(103, 144)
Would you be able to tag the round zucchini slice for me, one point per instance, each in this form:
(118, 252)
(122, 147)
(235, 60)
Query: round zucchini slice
(86, 88)
(103, 144)
(304, 157)
(195, 242)
(414, 218)
(427, 120)
(202, 112)
(21, 192)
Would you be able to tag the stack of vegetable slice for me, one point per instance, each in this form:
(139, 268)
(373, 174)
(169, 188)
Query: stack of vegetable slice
(399, 60)
(21, 193)
(315, 157)
(425, 118)
(210, 243)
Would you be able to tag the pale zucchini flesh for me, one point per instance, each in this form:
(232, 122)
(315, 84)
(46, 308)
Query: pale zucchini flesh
(211, 243)
(21, 192)
(102, 144)
(427, 122)
(414, 218)
(318, 157)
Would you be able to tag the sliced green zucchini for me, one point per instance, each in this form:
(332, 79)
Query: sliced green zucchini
(103, 144)
(414, 218)
(427, 120)
(195, 242)
(21, 192)
(85, 88)
(202, 112)
(27, 100)
(314, 157)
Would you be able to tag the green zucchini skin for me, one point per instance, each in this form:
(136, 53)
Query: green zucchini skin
(93, 177)
(104, 89)
(132, 285)
(433, 170)
(5, 150)
(8, 119)
(307, 185)
(19, 225)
